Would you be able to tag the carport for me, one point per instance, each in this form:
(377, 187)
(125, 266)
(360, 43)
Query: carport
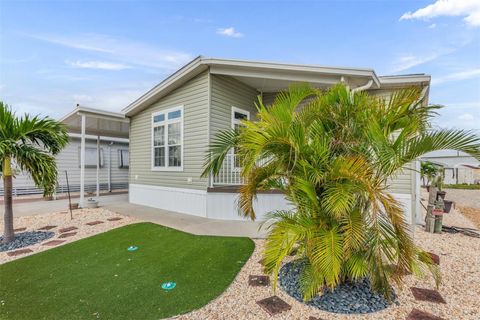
(94, 122)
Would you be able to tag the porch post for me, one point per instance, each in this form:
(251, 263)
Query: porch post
(109, 151)
(98, 167)
(82, 163)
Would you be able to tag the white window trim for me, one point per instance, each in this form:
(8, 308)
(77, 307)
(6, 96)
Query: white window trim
(233, 122)
(165, 123)
(232, 117)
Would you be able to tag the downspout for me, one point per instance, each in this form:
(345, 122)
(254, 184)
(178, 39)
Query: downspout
(361, 88)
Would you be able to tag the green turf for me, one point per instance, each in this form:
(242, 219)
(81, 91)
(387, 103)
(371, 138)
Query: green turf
(462, 186)
(97, 278)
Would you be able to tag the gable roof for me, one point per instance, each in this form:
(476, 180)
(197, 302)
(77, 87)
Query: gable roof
(355, 77)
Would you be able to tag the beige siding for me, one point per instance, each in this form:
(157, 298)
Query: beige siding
(402, 181)
(228, 92)
(193, 95)
(268, 98)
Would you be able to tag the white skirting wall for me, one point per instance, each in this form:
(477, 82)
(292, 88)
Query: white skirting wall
(406, 201)
(187, 201)
(221, 205)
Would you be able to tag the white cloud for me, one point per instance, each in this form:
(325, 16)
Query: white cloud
(456, 76)
(123, 50)
(466, 117)
(103, 65)
(82, 98)
(409, 61)
(229, 32)
(470, 9)
(460, 115)
(432, 26)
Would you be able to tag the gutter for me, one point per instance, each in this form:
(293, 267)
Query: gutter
(366, 86)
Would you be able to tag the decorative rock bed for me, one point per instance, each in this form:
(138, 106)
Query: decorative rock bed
(348, 298)
(25, 239)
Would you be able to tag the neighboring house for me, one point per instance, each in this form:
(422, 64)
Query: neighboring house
(113, 161)
(172, 125)
(458, 166)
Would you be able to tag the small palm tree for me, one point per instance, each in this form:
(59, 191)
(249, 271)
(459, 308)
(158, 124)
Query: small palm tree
(31, 143)
(427, 172)
(333, 154)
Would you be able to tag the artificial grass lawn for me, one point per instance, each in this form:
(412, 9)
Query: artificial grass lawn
(97, 278)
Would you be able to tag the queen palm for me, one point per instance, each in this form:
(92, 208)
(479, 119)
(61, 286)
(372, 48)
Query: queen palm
(31, 143)
(333, 154)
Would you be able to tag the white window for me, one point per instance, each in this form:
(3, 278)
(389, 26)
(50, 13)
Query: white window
(237, 116)
(123, 159)
(167, 140)
(90, 157)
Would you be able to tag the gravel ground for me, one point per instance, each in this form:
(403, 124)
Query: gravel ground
(467, 202)
(62, 220)
(459, 264)
(465, 198)
(473, 214)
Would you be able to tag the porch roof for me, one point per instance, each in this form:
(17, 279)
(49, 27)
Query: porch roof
(273, 77)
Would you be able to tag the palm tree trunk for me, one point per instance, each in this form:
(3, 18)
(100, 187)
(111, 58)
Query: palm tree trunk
(8, 234)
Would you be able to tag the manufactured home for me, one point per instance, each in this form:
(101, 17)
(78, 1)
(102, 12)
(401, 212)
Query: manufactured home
(172, 125)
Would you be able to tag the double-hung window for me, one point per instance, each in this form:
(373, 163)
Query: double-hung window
(167, 140)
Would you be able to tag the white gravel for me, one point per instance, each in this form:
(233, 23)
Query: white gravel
(459, 264)
(62, 220)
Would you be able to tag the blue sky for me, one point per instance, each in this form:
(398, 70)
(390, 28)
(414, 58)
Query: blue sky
(105, 54)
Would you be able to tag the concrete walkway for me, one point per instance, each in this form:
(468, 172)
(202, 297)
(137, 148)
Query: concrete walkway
(179, 221)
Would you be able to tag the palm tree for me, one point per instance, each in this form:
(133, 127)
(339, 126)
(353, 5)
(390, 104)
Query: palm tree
(31, 143)
(333, 154)
(427, 172)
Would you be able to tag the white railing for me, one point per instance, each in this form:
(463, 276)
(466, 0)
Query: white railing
(229, 174)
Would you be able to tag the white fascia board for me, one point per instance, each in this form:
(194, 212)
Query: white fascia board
(406, 79)
(95, 112)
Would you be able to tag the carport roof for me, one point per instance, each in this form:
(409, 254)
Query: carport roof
(97, 122)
